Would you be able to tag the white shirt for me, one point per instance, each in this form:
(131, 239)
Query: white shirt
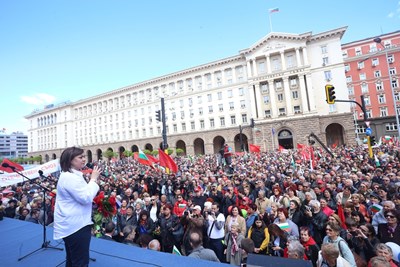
(73, 208)
(215, 232)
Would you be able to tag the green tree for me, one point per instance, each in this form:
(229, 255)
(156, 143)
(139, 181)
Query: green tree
(109, 154)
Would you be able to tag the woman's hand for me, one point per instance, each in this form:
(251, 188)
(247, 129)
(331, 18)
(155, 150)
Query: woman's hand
(95, 174)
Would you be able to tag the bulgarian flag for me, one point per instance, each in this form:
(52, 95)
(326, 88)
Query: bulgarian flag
(176, 251)
(273, 10)
(142, 158)
(284, 226)
(376, 208)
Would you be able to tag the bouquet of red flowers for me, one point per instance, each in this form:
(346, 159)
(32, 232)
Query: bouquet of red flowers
(105, 209)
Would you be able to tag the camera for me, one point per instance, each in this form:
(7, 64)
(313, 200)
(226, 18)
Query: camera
(308, 208)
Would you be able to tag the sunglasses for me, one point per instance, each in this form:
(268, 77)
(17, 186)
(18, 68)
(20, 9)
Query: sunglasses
(390, 216)
(329, 229)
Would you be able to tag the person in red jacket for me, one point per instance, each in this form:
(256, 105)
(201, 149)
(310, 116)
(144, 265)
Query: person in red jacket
(180, 206)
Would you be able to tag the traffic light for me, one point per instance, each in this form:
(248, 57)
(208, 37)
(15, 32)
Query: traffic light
(330, 94)
(252, 123)
(372, 140)
(158, 115)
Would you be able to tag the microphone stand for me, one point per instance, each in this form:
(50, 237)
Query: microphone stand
(45, 244)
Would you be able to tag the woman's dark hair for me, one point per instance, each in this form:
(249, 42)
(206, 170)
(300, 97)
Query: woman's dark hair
(306, 229)
(67, 156)
(275, 230)
(239, 210)
(396, 213)
(257, 218)
(296, 204)
(143, 212)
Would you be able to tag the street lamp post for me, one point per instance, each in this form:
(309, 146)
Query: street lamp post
(379, 41)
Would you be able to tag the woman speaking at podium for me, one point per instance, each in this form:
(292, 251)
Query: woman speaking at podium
(73, 209)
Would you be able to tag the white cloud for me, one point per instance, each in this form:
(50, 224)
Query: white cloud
(38, 99)
(391, 15)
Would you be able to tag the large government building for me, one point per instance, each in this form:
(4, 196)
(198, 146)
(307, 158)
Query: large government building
(278, 82)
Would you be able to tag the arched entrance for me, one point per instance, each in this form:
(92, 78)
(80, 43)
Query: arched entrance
(334, 135)
(285, 139)
(46, 158)
(181, 145)
(54, 156)
(121, 151)
(241, 145)
(199, 146)
(218, 143)
(99, 154)
(89, 156)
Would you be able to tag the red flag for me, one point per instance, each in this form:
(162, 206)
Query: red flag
(152, 159)
(167, 161)
(253, 148)
(142, 158)
(12, 164)
(340, 213)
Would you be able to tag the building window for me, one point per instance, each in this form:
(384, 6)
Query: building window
(221, 107)
(325, 61)
(200, 111)
(183, 127)
(233, 120)
(358, 51)
(175, 128)
(282, 111)
(267, 113)
(390, 59)
(379, 86)
(296, 110)
(394, 83)
(231, 106)
(367, 100)
(192, 126)
(210, 109)
(293, 82)
(191, 113)
(397, 96)
(361, 129)
(182, 115)
(212, 123)
(209, 97)
(230, 93)
(350, 90)
(261, 67)
(383, 111)
(278, 85)
(324, 49)
(290, 61)
(360, 65)
(362, 76)
(199, 99)
(295, 94)
(364, 88)
(328, 75)
(369, 113)
(222, 121)
(381, 99)
(266, 99)
(346, 67)
(349, 79)
(219, 94)
(264, 88)
(244, 118)
(280, 97)
(242, 104)
(190, 102)
(344, 54)
(392, 71)
(377, 73)
(241, 91)
(372, 48)
(375, 62)
(276, 64)
(202, 126)
(391, 127)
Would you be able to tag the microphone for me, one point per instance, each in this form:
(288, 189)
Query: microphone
(6, 165)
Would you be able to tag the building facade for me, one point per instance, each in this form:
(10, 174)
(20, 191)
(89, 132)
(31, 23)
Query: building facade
(371, 74)
(14, 145)
(278, 82)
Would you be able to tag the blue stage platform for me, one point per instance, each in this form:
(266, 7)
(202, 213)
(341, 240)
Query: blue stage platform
(18, 238)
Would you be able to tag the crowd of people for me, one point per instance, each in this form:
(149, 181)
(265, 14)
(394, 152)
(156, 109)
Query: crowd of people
(335, 211)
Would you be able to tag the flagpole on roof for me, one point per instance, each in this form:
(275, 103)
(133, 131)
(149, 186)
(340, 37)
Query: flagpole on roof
(270, 22)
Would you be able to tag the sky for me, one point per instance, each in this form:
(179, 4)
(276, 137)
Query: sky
(67, 50)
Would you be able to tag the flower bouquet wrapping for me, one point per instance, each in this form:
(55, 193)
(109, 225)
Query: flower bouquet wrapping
(105, 209)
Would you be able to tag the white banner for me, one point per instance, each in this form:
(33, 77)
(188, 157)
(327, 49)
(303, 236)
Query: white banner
(14, 178)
